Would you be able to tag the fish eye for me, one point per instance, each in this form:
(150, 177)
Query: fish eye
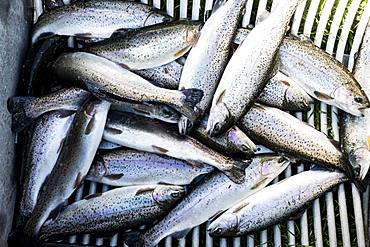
(217, 127)
(245, 148)
(218, 230)
(281, 160)
(175, 194)
(359, 100)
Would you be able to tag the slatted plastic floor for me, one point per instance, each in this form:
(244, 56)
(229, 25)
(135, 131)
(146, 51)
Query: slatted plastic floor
(340, 218)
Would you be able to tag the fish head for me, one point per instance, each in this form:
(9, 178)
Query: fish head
(168, 194)
(240, 140)
(166, 113)
(193, 31)
(351, 101)
(156, 17)
(360, 161)
(271, 164)
(225, 225)
(219, 119)
(98, 169)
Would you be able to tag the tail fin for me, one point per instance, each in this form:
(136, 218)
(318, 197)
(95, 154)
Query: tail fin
(237, 172)
(17, 104)
(20, 121)
(191, 99)
(185, 125)
(134, 239)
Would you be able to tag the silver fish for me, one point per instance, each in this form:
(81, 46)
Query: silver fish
(25, 109)
(213, 195)
(112, 82)
(76, 156)
(95, 19)
(151, 110)
(284, 133)
(321, 76)
(115, 210)
(208, 58)
(149, 47)
(131, 167)
(355, 131)
(153, 136)
(284, 93)
(47, 135)
(248, 71)
(275, 203)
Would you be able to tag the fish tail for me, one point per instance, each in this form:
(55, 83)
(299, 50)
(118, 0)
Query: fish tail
(185, 125)
(237, 172)
(18, 104)
(191, 97)
(135, 239)
(21, 118)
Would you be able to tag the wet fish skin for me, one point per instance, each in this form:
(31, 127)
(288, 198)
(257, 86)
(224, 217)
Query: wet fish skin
(248, 71)
(284, 93)
(25, 109)
(76, 156)
(323, 77)
(355, 131)
(208, 58)
(117, 209)
(213, 195)
(150, 46)
(153, 136)
(232, 142)
(167, 76)
(131, 167)
(151, 110)
(111, 82)
(95, 19)
(284, 133)
(275, 203)
(47, 135)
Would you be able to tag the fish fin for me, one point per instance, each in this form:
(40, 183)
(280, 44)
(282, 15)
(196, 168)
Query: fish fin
(298, 214)
(195, 164)
(368, 143)
(144, 190)
(335, 143)
(83, 35)
(259, 107)
(123, 32)
(182, 51)
(141, 109)
(322, 96)
(88, 197)
(237, 172)
(90, 126)
(164, 183)
(42, 36)
(61, 145)
(184, 125)
(181, 234)
(114, 176)
(159, 149)
(218, 213)
(240, 207)
(259, 183)
(18, 104)
(133, 239)
(113, 131)
(286, 83)
(263, 16)
(191, 99)
(20, 121)
(220, 97)
(56, 211)
(65, 113)
(125, 66)
(217, 4)
(79, 180)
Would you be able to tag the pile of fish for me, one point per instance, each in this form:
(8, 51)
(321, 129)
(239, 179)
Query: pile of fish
(170, 112)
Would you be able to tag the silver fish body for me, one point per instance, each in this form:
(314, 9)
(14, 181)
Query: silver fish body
(321, 76)
(148, 47)
(355, 131)
(95, 19)
(111, 82)
(47, 136)
(213, 195)
(248, 71)
(131, 167)
(284, 93)
(76, 156)
(275, 203)
(25, 109)
(167, 76)
(117, 209)
(208, 58)
(153, 136)
(284, 133)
